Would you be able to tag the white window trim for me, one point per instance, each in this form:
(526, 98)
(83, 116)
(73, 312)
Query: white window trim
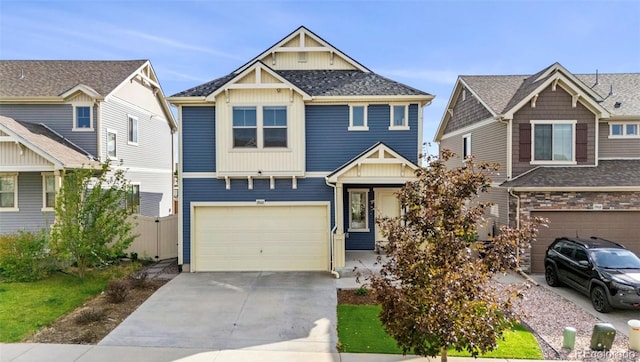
(137, 122)
(15, 193)
(366, 210)
(365, 127)
(624, 130)
(44, 190)
(75, 117)
(466, 142)
(260, 129)
(573, 142)
(110, 130)
(393, 127)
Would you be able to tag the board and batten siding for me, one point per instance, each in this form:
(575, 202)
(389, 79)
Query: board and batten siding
(58, 117)
(143, 95)
(314, 60)
(270, 161)
(13, 157)
(210, 189)
(488, 144)
(30, 216)
(616, 147)
(198, 139)
(329, 143)
(552, 105)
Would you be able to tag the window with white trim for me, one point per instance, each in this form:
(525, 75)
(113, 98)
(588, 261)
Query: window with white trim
(9, 192)
(399, 117)
(553, 141)
(466, 146)
(112, 144)
(260, 127)
(133, 130)
(133, 198)
(624, 130)
(358, 118)
(83, 117)
(48, 191)
(358, 210)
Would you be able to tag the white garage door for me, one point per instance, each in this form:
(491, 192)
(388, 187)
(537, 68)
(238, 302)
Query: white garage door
(250, 237)
(619, 226)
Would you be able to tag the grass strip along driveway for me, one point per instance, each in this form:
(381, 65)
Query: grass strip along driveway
(27, 307)
(360, 331)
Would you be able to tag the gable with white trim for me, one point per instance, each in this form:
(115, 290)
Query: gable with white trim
(378, 165)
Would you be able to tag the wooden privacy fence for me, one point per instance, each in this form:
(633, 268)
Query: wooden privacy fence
(158, 237)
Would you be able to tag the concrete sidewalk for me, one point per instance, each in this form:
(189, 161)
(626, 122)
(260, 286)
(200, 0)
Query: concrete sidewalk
(21, 352)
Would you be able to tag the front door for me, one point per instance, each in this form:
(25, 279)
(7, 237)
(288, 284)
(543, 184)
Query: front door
(386, 204)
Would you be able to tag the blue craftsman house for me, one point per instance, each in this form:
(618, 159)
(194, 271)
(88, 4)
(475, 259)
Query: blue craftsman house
(287, 161)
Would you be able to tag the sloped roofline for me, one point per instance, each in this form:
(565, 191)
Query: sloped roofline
(377, 147)
(257, 65)
(303, 29)
(454, 94)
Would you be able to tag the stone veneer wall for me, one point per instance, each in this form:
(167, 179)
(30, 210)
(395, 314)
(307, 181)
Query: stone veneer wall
(539, 201)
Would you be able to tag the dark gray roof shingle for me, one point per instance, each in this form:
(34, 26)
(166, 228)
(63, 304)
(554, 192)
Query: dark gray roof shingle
(322, 83)
(608, 173)
(51, 78)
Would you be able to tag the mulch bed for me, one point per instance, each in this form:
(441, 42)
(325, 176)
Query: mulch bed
(351, 296)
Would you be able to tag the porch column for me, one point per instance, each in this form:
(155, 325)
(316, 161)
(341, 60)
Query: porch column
(338, 238)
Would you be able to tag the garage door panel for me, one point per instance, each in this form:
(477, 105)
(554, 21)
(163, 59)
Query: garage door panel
(287, 237)
(619, 226)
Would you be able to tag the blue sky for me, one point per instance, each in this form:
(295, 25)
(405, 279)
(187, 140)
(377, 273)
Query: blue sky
(424, 44)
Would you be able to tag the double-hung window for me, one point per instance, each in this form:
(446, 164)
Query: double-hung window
(358, 118)
(466, 146)
(624, 130)
(245, 127)
(48, 191)
(399, 117)
(358, 210)
(133, 198)
(553, 141)
(82, 117)
(274, 123)
(8, 192)
(112, 144)
(133, 130)
(260, 127)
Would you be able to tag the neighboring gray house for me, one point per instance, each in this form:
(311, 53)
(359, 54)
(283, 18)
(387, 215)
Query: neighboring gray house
(569, 146)
(57, 115)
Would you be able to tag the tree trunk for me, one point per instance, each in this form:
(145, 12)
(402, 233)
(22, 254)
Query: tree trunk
(443, 354)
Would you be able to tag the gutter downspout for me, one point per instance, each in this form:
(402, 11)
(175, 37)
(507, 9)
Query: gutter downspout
(518, 269)
(333, 229)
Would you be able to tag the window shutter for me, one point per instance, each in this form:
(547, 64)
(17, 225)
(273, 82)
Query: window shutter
(525, 142)
(581, 142)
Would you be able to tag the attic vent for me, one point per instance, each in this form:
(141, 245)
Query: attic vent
(617, 105)
(302, 57)
(464, 94)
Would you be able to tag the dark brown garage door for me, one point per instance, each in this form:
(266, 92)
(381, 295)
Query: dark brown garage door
(620, 226)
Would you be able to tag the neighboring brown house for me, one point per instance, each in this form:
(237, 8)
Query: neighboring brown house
(569, 149)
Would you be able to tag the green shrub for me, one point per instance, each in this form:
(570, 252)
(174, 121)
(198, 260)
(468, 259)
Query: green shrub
(25, 256)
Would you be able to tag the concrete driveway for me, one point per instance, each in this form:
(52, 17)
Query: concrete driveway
(617, 317)
(292, 311)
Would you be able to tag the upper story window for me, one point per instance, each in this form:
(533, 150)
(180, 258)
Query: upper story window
(399, 117)
(466, 146)
(48, 191)
(133, 130)
(624, 130)
(260, 127)
(112, 144)
(9, 192)
(358, 118)
(82, 118)
(553, 141)
(274, 120)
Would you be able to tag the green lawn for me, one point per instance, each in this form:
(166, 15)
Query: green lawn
(360, 331)
(26, 307)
